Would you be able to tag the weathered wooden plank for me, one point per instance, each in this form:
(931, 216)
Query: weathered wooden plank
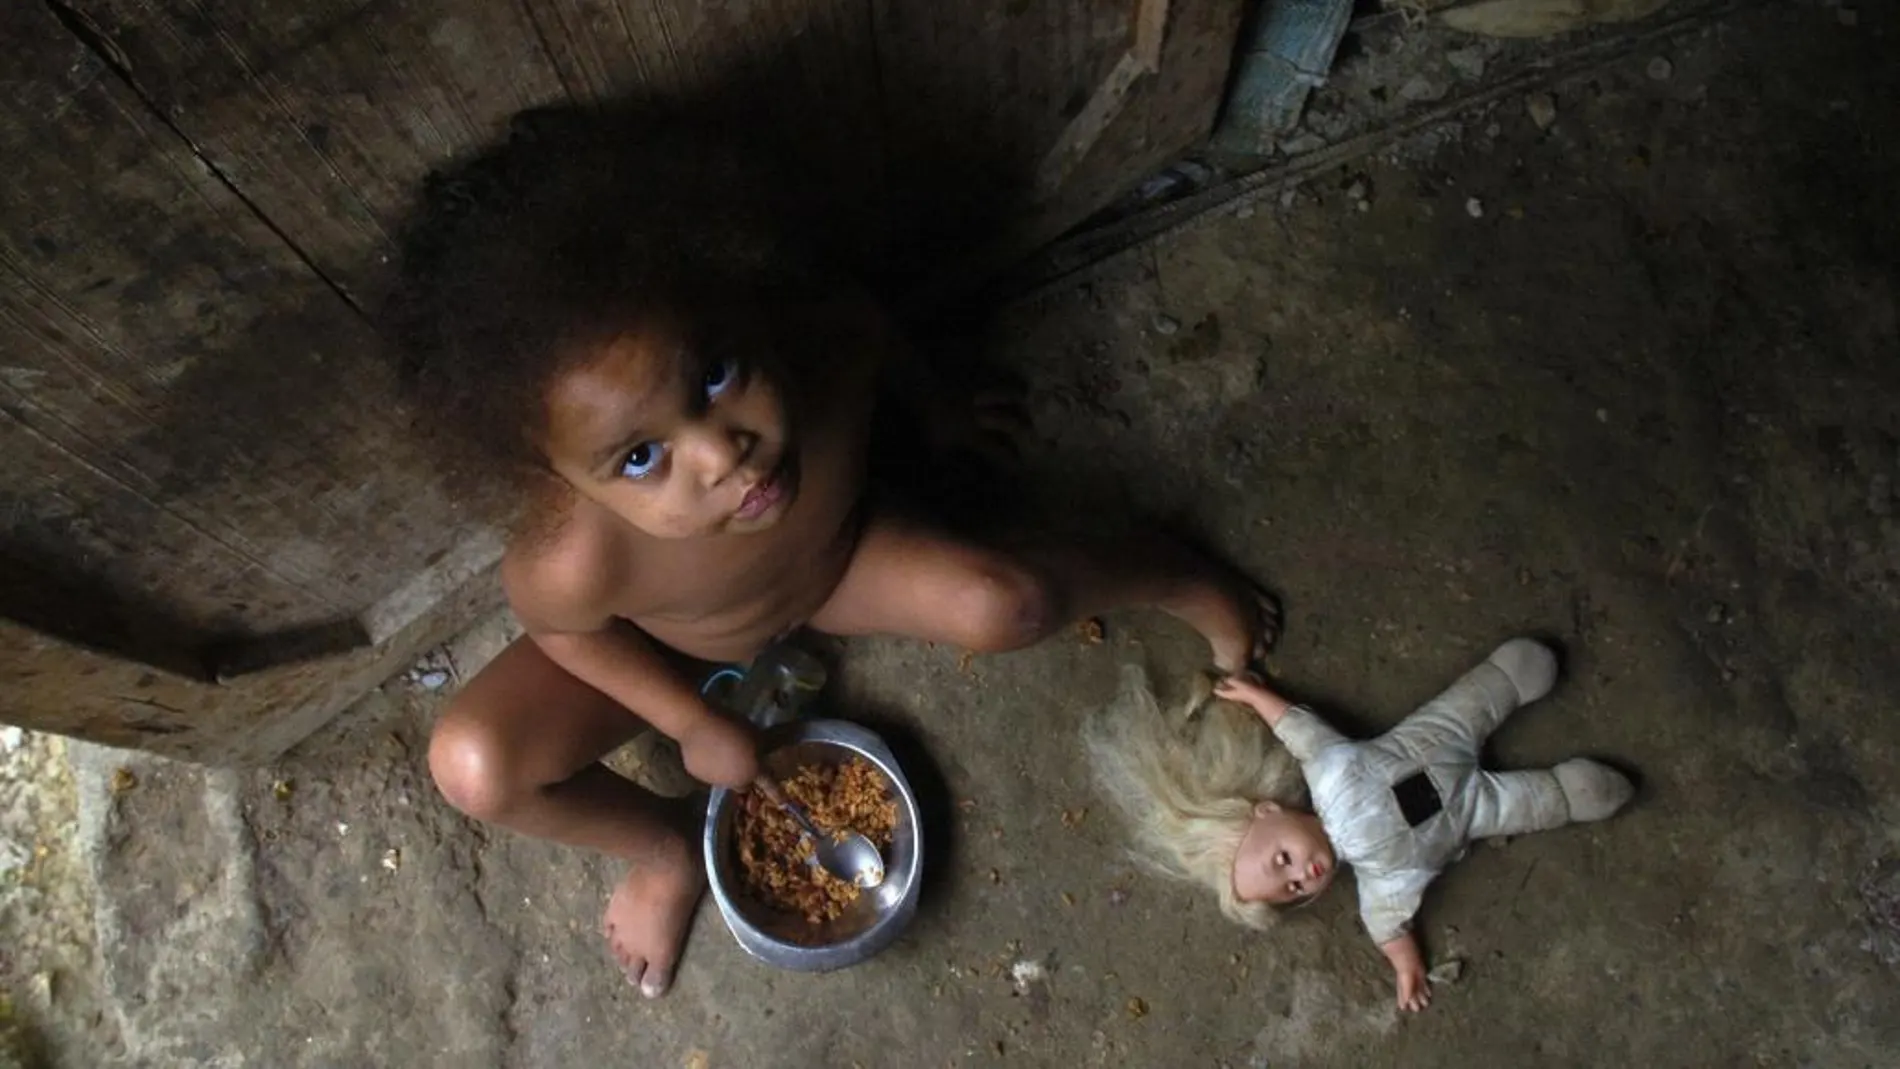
(1086, 128)
(77, 559)
(118, 269)
(202, 452)
(1143, 57)
(325, 114)
(1167, 113)
(973, 96)
(808, 65)
(1160, 116)
(52, 685)
(806, 69)
(805, 55)
(607, 50)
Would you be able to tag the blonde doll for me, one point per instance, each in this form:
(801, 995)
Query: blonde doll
(1219, 807)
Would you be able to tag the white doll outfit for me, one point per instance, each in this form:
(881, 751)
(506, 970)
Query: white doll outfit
(1403, 806)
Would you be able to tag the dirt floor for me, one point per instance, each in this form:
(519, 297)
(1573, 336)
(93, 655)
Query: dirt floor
(1628, 378)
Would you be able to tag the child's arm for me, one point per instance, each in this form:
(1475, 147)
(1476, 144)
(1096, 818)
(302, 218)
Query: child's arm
(623, 664)
(1408, 965)
(554, 604)
(1303, 732)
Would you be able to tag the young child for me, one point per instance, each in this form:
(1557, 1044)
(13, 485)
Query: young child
(1398, 808)
(615, 317)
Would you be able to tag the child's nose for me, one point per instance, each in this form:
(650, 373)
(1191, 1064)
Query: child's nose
(716, 452)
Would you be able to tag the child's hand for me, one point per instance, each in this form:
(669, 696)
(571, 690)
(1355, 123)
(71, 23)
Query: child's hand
(1248, 690)
(1415, 989)
(721, 752)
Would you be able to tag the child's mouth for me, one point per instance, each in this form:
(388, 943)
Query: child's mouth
(764, 497)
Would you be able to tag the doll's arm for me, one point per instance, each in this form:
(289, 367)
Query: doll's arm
(1303, 732)
(1387, 902)
(1408, 967)
(1251, 691)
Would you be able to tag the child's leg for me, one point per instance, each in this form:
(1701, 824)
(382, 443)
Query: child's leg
(1518, 672)
(1515, 803)
(520, 747)
(906, 578)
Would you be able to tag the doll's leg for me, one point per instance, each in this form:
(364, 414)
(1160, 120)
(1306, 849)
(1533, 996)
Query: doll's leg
(1516, 673)
(1516, 803)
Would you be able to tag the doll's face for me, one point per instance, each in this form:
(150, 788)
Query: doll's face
(1284, 858)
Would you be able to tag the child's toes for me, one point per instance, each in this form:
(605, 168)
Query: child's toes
(1271, 622)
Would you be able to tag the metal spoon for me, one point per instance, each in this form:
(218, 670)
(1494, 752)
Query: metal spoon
(846, 855)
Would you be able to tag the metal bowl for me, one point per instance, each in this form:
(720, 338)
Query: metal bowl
(876, 919)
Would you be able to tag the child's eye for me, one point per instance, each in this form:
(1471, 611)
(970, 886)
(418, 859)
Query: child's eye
(1283, 859)
(1294, 888)
(720, 376)
(642, 461)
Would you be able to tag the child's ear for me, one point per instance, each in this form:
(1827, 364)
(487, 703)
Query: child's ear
(1261, 809)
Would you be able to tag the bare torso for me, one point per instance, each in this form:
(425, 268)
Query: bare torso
(724, 599)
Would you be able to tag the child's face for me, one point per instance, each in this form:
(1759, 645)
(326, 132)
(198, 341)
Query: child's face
(1284, 858)
(677, 441)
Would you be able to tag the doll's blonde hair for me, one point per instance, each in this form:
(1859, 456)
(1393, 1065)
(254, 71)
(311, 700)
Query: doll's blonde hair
(1188, 784)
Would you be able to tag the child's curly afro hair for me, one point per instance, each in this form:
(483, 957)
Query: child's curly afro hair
(579, 221)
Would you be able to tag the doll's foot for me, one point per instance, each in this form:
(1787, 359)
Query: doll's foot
(1592, 790)
(1530, 666)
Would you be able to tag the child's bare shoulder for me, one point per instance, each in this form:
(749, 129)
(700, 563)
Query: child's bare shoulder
(574, 571)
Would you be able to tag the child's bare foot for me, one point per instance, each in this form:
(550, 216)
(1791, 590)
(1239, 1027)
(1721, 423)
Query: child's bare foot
(1240, 621)
(649, 914)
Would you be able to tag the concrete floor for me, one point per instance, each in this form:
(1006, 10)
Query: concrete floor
(1645, 400)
